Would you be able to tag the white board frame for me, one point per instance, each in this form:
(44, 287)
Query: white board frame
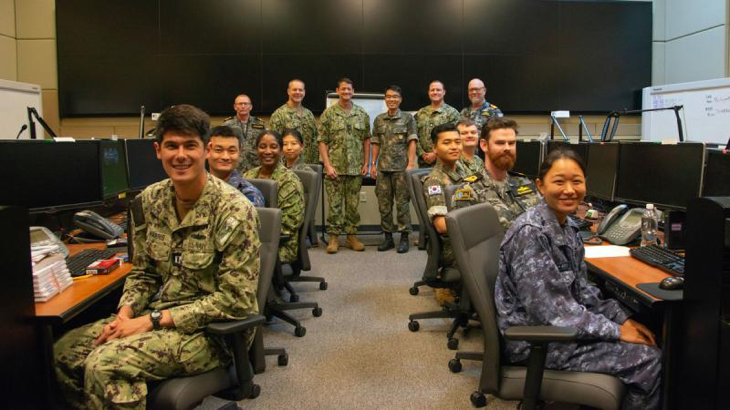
(15, 98)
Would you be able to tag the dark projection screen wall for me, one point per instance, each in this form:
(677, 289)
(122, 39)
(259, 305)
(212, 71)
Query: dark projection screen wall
(535, 56)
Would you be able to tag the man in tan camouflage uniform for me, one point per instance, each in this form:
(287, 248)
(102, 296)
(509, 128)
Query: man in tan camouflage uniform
(510, 195)
(394, 151)
(344, 145)
(480, 111)
(292, 115)
(196, 261)
(437, 113)
(248, 128)
(469, 163)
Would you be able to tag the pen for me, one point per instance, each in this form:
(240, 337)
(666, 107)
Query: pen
(82, 277)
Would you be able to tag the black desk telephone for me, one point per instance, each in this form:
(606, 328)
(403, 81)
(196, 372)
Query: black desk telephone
(621, 226)
(97, 225)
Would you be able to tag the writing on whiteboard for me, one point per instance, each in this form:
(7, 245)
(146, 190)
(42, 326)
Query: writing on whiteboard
(717, 105)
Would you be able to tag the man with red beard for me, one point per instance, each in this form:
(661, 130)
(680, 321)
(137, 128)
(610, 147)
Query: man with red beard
(510, 195)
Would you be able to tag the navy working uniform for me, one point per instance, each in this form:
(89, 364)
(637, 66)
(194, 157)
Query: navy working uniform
(542, 281)
(246, 188)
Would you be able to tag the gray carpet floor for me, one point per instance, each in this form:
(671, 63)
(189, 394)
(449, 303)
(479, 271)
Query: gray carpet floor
(360, 354)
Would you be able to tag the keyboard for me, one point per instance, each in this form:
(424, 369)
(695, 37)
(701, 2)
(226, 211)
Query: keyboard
(78, 263)
(661, 258)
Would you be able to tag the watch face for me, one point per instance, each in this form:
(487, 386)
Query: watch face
(156, 315)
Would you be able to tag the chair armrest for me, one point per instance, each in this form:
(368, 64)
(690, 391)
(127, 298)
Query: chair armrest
(541, 334)
(234, 326)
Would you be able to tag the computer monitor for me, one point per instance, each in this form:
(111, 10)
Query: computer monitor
(665, 175)
(580, 148)
(717, 174)
(601, 164)
(142, 164)
(44, 175)
(529, 157)
(113, 168)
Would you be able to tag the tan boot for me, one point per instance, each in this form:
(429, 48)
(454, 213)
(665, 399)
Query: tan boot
(354, 244)
(333, 245)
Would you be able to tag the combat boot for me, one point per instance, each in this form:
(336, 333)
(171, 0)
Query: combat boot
(387, 242)
(334, 244)
(354, 244)
(403, 245)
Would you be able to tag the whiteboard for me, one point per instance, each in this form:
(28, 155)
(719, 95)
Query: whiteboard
(705, 116)
(15, 98)
(372, 103)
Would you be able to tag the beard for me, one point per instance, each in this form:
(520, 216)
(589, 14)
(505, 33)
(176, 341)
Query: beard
(502, 160)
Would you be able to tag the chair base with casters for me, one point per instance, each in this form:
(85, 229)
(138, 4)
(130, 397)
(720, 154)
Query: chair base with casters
(276, 307)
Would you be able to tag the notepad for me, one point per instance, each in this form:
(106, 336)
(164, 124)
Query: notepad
(609, 251)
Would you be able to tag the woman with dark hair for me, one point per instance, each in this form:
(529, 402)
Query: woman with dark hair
(292, 147)
(290, 196)
(542, 281)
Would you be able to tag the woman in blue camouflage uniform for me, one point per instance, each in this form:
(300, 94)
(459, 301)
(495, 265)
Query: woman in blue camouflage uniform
(542, 281)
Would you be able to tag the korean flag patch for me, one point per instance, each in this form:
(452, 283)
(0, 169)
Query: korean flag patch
(434, 190)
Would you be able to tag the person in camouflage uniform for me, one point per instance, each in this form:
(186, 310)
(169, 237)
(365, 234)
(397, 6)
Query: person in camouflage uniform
(437, 113)
(292, 115)
(292, 150)
(510, 195)
(344, 145)
(248, 128)
(394, 151)
(469, 163)
(290, 192)
(480, 111)
(542, 280)
(222, 154)
(196, 261)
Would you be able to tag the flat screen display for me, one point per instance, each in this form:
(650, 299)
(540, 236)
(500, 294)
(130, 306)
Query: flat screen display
(113, 168)
(717, 174)
(601, 163)
(529, 157)
(142, 163)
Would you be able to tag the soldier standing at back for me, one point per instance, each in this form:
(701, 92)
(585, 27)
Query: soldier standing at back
(428, 117)
(394, 151)
(248, 128)
(480, 111)
(344, 145)
(469, 163)
(292, 115)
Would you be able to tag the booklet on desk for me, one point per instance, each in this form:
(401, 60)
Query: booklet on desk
(50, 276)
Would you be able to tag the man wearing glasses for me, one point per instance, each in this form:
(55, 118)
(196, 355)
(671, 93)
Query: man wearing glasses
(480, 111)
(247, 128)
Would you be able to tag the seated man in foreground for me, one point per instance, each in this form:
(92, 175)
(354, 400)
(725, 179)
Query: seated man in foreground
(196, 244)
(224, 151)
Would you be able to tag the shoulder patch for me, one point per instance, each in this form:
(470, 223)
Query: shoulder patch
(462, 194)
(471, 178)
(226, 231)
(227, 118)
(486, 113)
(492, 106)
(258, 126)
(434, 190)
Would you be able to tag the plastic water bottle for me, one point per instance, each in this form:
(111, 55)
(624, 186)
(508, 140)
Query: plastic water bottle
(649, 226)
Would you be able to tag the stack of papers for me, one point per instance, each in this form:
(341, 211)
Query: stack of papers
(50, 276)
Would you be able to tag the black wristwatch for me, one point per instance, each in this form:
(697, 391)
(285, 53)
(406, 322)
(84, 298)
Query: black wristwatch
(156, 317)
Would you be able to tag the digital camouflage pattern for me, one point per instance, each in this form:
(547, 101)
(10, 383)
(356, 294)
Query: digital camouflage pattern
(393, 134)
(204, 268)
(290, 199)
(344, 133)
(300, 164)
(246, 188)
(426, 119)
(391, 186)
(467, 168)
(303, 121)
(434, 190)
(247, 133)
(510, 198)
(344, 197)
(542, 281)
(481, 115)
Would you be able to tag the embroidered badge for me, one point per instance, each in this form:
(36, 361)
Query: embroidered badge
(434, 190)
(471, 178)
(462, 194)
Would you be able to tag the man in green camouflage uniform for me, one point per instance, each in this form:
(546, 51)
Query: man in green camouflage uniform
(196, 261)
(437, 113)
(394, 151)
(469, 163)
(480, 111)
(292, 115)
(344, 145)
(510, 195)
(248, 128)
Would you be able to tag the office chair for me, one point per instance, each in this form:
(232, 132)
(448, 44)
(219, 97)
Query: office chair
(235, 382)
(476, 235)
(421, 230)
(311, 182)
(269, 189)
(317, 169)
(436, 277)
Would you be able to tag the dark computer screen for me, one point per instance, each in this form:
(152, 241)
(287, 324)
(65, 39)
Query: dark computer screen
(142, 164)
(113, 168)
(529, 157)
(717, 174)
(601, 163)
(45, 174)
(581, 148)
(665, 175)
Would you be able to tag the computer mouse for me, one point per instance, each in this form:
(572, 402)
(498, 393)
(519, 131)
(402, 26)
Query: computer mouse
(672, 283)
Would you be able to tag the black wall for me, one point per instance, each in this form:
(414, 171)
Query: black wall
(535, 56)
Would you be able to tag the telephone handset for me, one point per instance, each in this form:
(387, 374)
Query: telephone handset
(97, 225)
(621, 226)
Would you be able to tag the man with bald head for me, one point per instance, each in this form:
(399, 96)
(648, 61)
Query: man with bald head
(247, 128)
(480, 111)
